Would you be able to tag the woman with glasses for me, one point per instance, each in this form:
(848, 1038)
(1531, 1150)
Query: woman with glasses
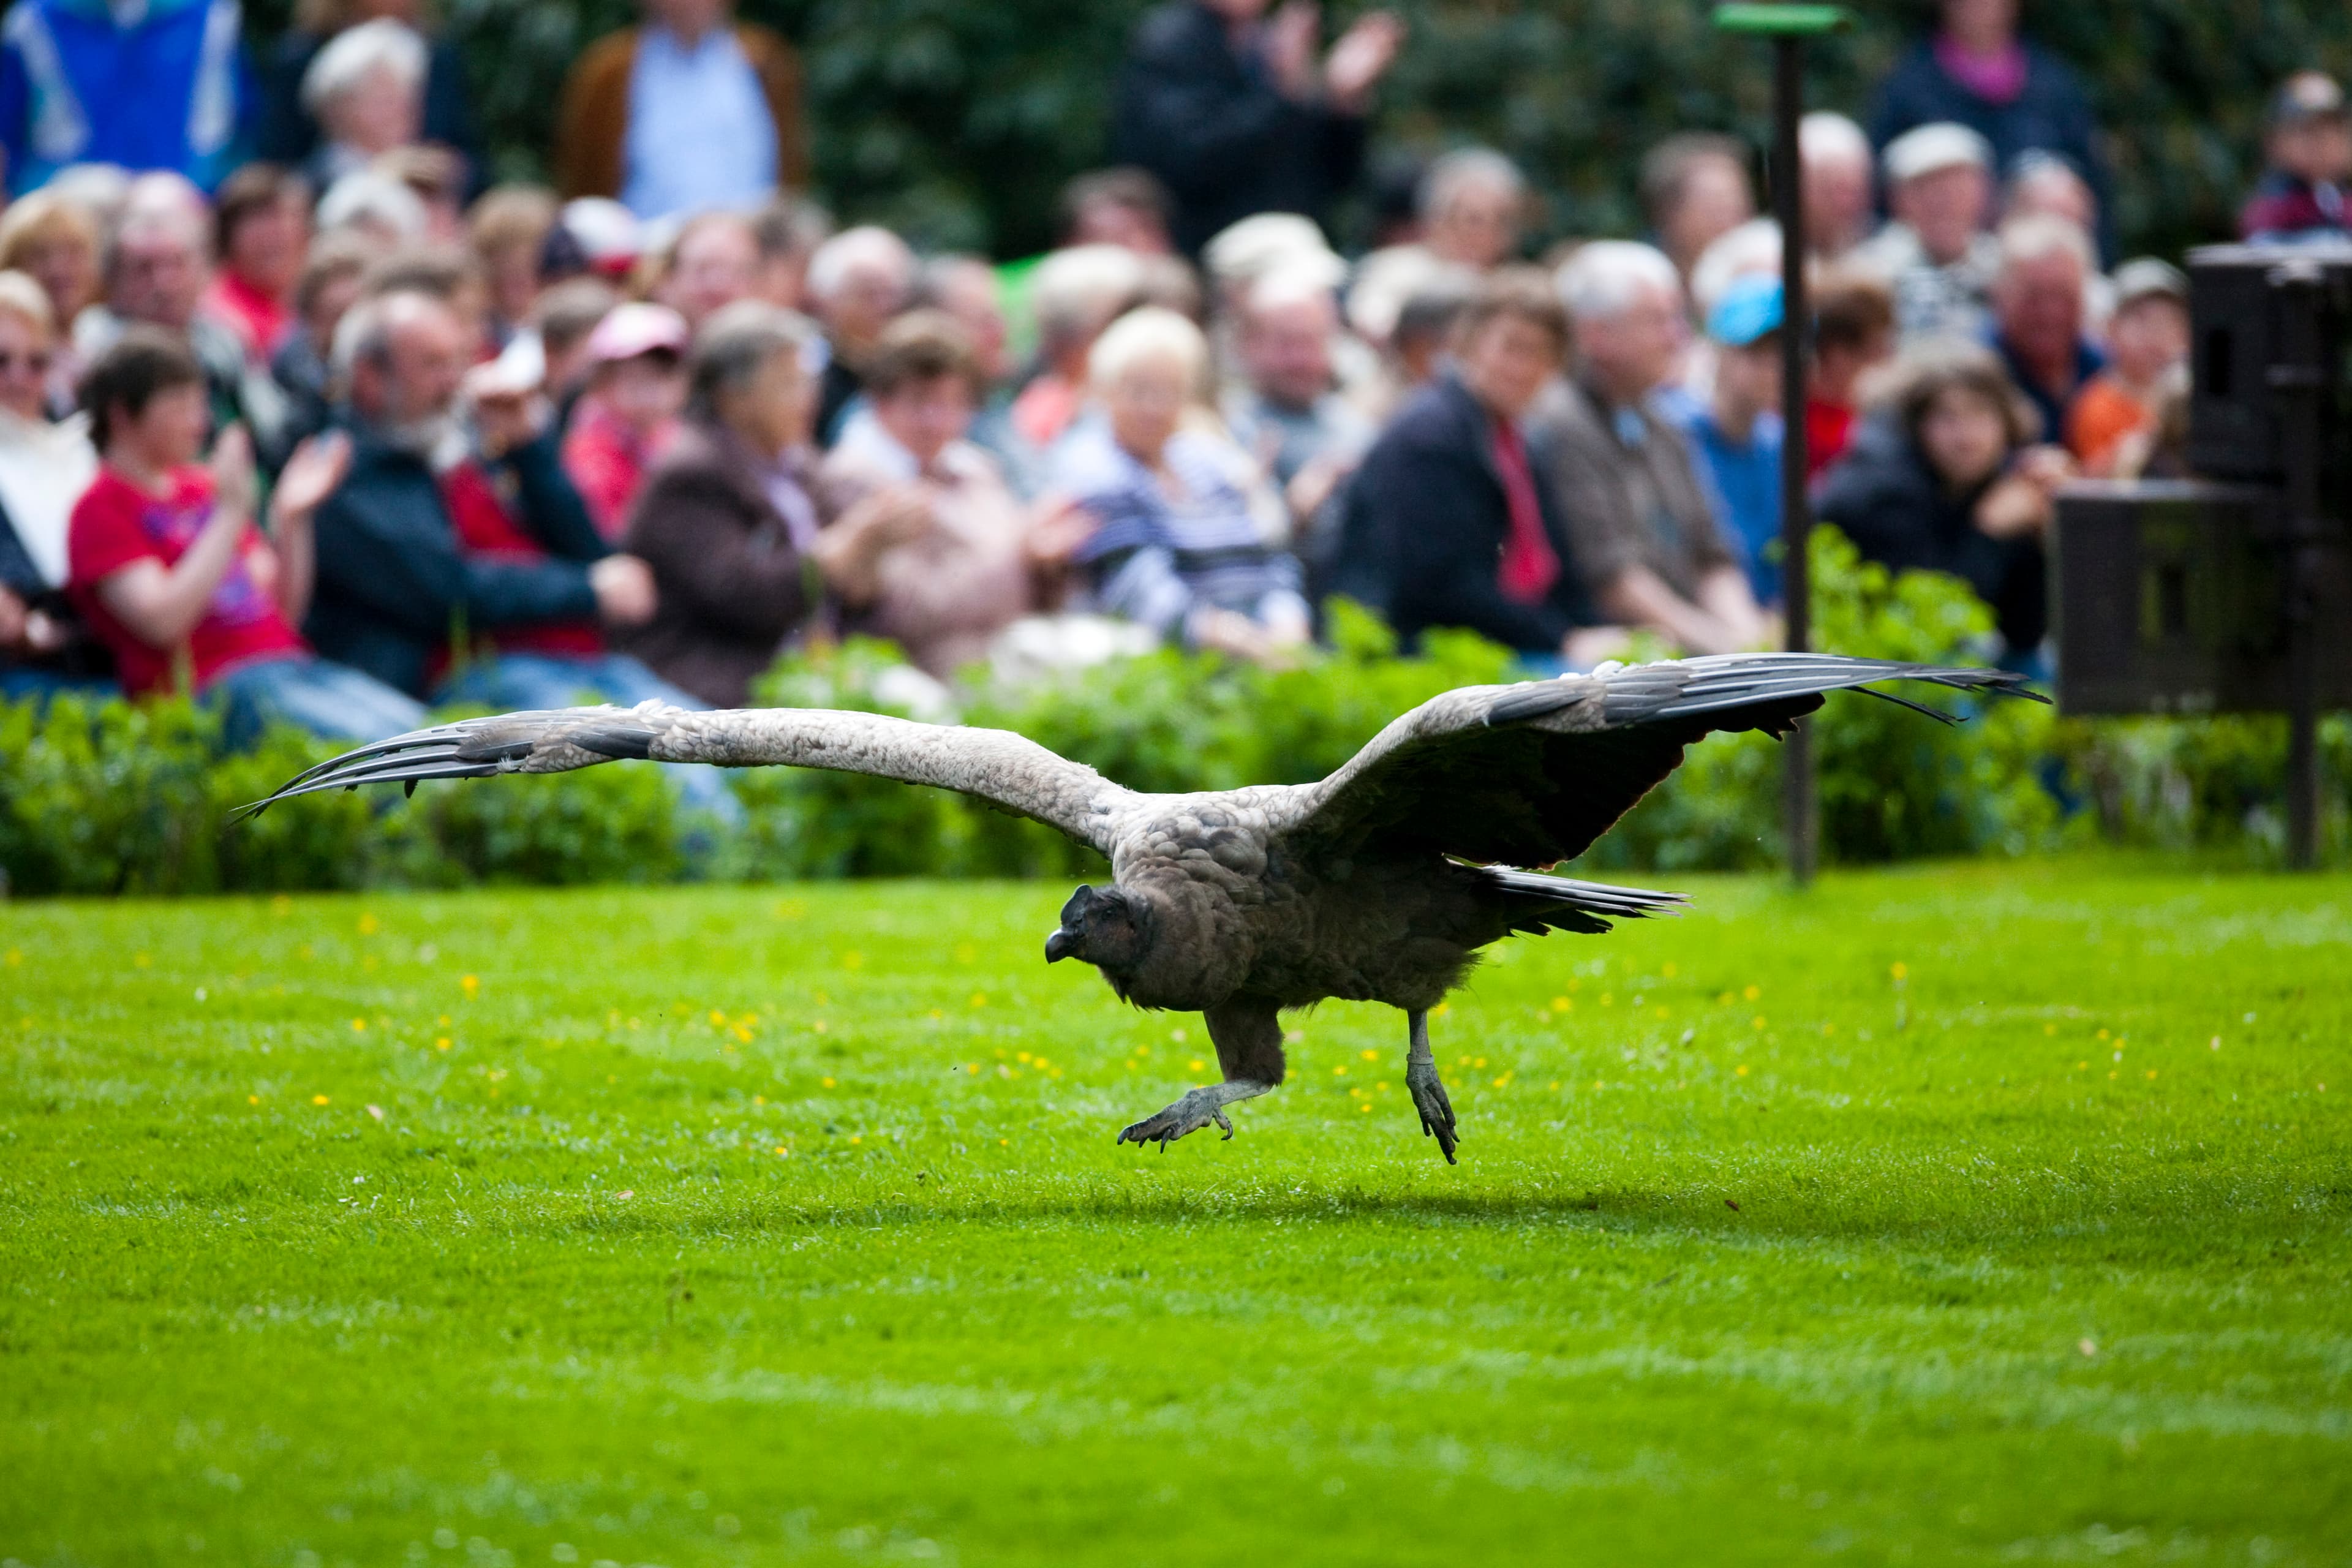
(45, 649)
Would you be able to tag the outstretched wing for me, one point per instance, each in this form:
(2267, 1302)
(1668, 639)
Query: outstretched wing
(1005, 770)
(1531, 774)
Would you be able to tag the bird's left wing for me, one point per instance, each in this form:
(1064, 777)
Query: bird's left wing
(1009, 771)
(1531, 774)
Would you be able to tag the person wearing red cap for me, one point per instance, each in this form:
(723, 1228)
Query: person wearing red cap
(629, 415)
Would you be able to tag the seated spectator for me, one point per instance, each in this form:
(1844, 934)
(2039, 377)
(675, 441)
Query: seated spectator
(2147, 341)
(1179, 543)
(2044, 184)
(157, 272)
(156, 86)
(1976, 71)
(1935, 253)
(1233, 113)
(726, 519)
(1073, 296)
(1694, 191)
(713, 262)
(562, 321)
(329, 285)
(628, 415)
(691, 111)
(375, 204)
(965, 286)
(1947, 478)
(1854, 335)
(858, 280)
(45, 466)
(366, 91)
(289, 135)
(172, 573)
(508, 228)
(1289, 413)
(1125, 206)
(1736, 430)
(927, 545)
(54, 241)
(448, 273)
(789, 229)
(2038, 312)
(2305, 190)
(1841, 184)
(1447, 522)
(1636, 517)
(1401, 304)
(261, 231)
(438, 179)
(1472, 203)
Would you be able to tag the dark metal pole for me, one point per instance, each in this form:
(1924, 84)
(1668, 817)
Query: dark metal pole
(1800, 816)
(2297, 387)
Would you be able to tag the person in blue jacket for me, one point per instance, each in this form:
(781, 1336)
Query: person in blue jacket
(161, 84)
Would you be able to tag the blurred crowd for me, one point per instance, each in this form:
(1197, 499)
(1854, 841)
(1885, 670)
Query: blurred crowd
(298, 415)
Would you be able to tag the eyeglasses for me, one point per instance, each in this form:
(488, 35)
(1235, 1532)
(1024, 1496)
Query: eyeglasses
(34, 363)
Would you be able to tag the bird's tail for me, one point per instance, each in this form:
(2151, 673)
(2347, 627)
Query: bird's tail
(1538, 903)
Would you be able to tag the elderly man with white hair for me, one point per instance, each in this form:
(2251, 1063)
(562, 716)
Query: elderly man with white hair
(1638, 518)
(1935, 253)
(1471, 203)
(1841, 178)
(858, 280)
(2038, 314)
(366, 91)
(1288, 412)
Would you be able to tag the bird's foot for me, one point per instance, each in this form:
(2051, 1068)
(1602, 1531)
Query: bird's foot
(1197, 1109)
(1429, 1098)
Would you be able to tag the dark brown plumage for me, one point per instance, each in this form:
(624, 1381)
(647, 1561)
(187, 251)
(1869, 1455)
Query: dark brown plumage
(1379, 884)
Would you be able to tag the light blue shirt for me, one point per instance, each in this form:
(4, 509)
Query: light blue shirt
(699, 134)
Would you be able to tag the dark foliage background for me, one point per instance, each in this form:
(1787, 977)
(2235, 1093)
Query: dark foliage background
(957, 119)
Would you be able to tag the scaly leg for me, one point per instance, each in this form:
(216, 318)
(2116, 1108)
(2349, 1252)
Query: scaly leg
(1248, 1035)
(1428, 1089)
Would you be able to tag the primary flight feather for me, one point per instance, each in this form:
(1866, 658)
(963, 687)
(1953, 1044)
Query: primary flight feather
(1377, 884)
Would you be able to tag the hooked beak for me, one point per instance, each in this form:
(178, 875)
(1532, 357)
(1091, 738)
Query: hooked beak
(1060, 945)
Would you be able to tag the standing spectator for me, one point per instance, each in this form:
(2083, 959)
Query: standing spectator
(2147, 341)
(288, 132)
(1232, 110)
(55, 241)
(858, 280)
(2304, 190)
(1841, 183)
(1936, 254)
(329, 285)
(1472, 201)
(1694, 191)
(1074, 294)
(727, 520)
(1639, 522)
(2038, 310)
(1976, 71)
(713, 262)
(45, 466)
(927, 545)
(1124, 206)
(1854, 335)
(789, 229)
(261, 232)
(1289, 413)
(508, 228)
(1181, 543)
(173, 577)
(1737, 431)
(1948, 480)
(1448, 522)
(628, 415)
(687, 111)
(366, 91)
(160, 85)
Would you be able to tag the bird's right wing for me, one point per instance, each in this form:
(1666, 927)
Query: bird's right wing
(1007, 771)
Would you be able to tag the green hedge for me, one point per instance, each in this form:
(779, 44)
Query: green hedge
(958, 121)
(118, 799)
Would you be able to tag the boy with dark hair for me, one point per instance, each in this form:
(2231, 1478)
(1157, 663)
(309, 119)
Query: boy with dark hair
(167, 565)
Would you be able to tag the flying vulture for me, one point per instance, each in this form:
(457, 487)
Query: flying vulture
(1379, 884)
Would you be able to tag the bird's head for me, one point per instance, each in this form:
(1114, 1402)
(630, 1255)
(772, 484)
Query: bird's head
(1109, 928)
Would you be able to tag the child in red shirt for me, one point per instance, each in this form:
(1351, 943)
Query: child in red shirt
(167, 566)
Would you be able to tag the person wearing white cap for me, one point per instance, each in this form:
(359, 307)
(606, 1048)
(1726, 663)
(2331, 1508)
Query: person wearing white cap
(628, 416)
(1936, 254)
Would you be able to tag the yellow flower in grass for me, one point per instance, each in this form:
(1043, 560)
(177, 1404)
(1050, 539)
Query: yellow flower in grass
(317, 1100)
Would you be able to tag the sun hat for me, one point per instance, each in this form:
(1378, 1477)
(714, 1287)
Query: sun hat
(636, 328)
(1946, 144)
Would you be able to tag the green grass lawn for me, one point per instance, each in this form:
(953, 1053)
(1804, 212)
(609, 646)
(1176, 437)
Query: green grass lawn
(1952, 1215)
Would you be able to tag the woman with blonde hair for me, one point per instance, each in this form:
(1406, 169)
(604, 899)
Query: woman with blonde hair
(44, 468)
(55, 241)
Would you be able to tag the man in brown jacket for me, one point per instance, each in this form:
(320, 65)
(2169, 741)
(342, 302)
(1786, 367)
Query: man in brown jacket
(688, 111)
